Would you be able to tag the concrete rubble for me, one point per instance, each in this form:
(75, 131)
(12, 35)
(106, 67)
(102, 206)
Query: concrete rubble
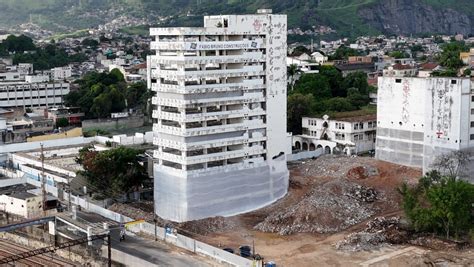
(378, 232)
(328, 208)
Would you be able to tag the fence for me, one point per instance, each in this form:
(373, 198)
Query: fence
(305, 155)
(178, 240)
(108, 124)
(192, 245)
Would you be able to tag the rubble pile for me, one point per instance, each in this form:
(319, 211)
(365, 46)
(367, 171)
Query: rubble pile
(350, 167)
(136, 211)
(363, 193)
(206, 226)
(327, 208)
(362, 172)
(378, 232)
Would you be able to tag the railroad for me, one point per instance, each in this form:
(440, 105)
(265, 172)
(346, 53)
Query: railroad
(9, 248)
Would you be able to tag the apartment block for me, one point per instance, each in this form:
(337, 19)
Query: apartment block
(220, 116)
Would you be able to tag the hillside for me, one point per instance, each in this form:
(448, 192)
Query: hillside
(348, 17)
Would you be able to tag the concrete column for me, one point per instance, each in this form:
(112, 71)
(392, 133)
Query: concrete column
(89, 234)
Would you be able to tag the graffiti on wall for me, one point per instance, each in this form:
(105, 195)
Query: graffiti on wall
(406, 102)
(442, 109)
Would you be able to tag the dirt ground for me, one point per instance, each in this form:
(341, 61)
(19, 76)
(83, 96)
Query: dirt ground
(318, 249)
(329, 198)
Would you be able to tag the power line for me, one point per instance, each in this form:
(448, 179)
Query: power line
(68, 244)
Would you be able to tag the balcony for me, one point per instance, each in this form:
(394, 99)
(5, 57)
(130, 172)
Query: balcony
(178, 75)
(245, 151)
(246, 57)
(209, 88)
(203, 46)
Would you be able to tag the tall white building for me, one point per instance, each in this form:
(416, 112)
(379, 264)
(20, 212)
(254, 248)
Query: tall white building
(421, 118)
(220, 114)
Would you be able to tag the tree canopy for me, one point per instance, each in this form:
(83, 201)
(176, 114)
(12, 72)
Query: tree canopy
(100, 94)
(441, 202)
(113, 172)
(325, 92)
(449, 58)
(42, 58)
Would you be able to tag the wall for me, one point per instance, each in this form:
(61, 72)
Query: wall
(10, 148)
(177, 240)
(76, 132)
(305, 155)
(129, 122)
(419, 118)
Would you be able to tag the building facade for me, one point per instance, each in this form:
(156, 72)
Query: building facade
(24, 94)
(421, 118)
(220, 116)
(350, 135)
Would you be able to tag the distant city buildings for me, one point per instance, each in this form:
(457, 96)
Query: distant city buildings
(220, 114)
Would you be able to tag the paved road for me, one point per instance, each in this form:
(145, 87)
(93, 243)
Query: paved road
(156, 252)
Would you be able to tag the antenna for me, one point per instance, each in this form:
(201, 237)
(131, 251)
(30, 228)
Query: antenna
(43, 181)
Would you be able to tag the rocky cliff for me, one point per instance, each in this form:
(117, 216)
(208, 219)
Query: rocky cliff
(415, 17)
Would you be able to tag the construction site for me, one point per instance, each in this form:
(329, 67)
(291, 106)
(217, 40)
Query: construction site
(339, 211)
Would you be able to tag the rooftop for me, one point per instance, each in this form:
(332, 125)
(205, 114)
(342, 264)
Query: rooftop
(22, 195)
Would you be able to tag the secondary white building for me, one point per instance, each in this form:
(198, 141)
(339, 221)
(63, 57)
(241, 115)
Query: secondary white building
(420, 118)
(24, 94)
(220, 114)
(346, 135)
(23, 204)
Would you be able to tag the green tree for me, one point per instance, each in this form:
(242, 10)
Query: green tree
(299, 105)
(315, 84)
(62, 122)
(113, 172)
(439, 204)
(399, 54)
(449, 58)
(357, 80)
(356, 98)
(101, 106)
(339, 104)
(343, 52)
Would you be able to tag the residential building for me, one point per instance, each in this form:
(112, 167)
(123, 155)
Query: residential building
(61, 73)
(73, 115)
(36, 94)
(421, 118)
(319, 58)
(346, 135)
(220, 116)
(427, 69)
(346, 69)
(399, 70)
(22, 204)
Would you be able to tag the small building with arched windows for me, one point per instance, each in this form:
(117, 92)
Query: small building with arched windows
(345, 134)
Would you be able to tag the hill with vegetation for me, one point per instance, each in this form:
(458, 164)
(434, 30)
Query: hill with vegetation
(347, 17)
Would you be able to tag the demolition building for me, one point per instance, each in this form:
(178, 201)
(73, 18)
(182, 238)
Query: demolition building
(220, 116)
(421, 118)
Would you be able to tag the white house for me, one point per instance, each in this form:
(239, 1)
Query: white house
(346, 135)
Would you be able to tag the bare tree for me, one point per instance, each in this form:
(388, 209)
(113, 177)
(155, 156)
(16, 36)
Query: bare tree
(452, 164)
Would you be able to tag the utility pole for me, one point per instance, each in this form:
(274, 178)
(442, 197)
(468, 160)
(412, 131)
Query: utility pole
(43, 182)
(109, 250)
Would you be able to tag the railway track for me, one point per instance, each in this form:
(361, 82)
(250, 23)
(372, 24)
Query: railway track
(9, 248)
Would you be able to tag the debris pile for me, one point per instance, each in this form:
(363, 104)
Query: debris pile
(206, 226)
(327, 208)
(378, 232)
(362, 172)
(363, 193)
